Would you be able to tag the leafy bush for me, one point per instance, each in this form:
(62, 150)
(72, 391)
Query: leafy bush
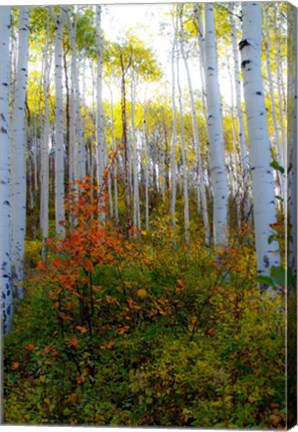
(133, 331)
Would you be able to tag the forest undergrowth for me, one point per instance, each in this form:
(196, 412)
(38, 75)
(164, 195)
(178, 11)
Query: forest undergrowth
(144, 330)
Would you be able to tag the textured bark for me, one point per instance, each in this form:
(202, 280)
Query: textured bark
(241, 131)
(260, 154)
(136, 199)
(59, 127)
(183, 152)
(18, 166)
(5, 258)
(200, 186)
(174, 137)
(215, 133)
(44, 199)
(99, 122)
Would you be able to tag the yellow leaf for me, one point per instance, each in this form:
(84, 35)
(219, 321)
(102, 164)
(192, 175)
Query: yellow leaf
(142, 293)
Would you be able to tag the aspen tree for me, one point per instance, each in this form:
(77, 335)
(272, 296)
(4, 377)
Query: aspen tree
(215, 133)
(59, 125)
(174, 134)
(5, 199)
(183, 152)
(18, 149)
(44, 178)
(259, 145)
(99, 107)
(200, 185)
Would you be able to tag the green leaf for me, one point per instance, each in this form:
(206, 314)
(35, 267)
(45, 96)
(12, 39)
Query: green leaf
(271, 238)
(266, 280)
(278, 275)
(274, 164)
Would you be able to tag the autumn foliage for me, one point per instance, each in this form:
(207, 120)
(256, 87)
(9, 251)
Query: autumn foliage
(130, 331)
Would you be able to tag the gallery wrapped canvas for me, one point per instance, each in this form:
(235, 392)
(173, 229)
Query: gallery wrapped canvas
(149, 215)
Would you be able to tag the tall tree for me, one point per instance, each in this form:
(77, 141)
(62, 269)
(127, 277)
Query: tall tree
(200, 185)
(260, 154)
(5, 258)
(59, 124)
(99, 116)
(18, 149)
(215, 133)
(44, 198)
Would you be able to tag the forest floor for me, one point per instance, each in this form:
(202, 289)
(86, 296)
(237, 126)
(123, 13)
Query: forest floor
(139, 332)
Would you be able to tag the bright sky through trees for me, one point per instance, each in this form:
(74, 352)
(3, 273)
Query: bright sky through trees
(148, 21)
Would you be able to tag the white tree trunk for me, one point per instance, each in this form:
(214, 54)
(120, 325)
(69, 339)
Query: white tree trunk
(59, 127)
(99, 122)
(215, 133)
(174, 137)
(5, 202)
(44, 198)
(260, 154)
(278, 143)
(183, 152)
(18, 165)
(200, 185)
(136, 200)
(115, 164)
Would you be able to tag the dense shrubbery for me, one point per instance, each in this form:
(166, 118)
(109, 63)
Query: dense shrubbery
(134, 332)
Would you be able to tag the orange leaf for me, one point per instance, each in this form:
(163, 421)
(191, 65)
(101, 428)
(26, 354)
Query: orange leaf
(81, 379)
(30, 347)
(73, 342)
(82, 329)
(15, 365)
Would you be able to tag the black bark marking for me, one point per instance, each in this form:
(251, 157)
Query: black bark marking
(210, 68)
(259, 93)
(3, 130)
(243, 44)
(244, 63)
(6, 203)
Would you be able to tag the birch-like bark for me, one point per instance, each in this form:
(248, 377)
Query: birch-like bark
(136, 200)
(18, 165)
(59, 127)
(5, 199)
(200, 185)
(99, 122)
(279, 148)
(44, 178)
(183, 152)
(115, 165)
(215, 133)
(174, 136)
(260, 154)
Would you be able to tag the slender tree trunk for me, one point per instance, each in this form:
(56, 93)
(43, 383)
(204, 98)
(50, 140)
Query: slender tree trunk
(44, 200)
(99, 122)
(260, 154)
(136, 200)
(59, 127)
(18, 166)
(200, 186)
(125, 145)
(183, 151)
(115, 165)
(279, 149)
(215, 134)
(5, 199)
(174, 137)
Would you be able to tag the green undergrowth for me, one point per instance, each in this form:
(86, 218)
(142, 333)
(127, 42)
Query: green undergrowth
(140, 332)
